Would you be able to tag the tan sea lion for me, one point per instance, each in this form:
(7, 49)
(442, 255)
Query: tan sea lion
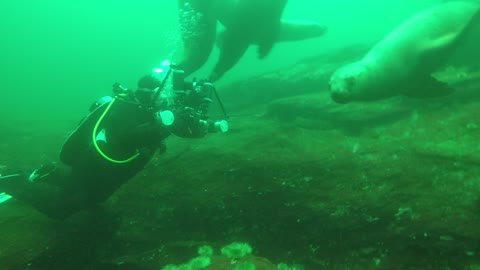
(402, 62)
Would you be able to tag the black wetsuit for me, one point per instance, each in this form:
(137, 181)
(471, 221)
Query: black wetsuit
(89, 178)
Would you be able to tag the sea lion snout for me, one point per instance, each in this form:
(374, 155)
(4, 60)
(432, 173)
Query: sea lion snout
(338, 93)
(340, 97)
(341, 86)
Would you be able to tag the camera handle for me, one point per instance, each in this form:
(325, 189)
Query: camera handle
(220, 103)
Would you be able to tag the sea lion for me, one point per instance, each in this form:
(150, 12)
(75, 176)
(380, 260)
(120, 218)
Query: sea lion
(402, 62)
(246, 22)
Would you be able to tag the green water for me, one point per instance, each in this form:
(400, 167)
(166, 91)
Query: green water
(384, 185)
(60, 54)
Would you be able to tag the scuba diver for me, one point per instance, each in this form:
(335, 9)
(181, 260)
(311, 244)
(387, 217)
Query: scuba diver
(116, 141)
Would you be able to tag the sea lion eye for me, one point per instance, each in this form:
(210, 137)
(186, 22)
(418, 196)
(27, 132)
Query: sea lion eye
(350, 81)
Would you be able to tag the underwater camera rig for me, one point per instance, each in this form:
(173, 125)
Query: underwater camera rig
(196, 97)
(175, 103)
(175, 96)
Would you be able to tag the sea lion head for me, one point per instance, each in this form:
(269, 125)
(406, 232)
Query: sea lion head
(346, 83)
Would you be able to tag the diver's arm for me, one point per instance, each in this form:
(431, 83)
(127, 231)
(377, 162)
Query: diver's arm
(151, 133)
(142, 133)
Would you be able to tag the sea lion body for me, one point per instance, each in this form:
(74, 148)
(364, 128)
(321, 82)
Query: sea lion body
(402, 62)
(246, 22)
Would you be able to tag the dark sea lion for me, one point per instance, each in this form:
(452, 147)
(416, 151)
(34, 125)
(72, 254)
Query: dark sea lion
(246, 22)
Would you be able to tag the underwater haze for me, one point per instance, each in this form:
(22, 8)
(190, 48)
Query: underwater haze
(297, 182)
(62, 55)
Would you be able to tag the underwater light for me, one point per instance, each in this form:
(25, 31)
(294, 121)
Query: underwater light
(4, 197)
(163, 66)
(166, 63)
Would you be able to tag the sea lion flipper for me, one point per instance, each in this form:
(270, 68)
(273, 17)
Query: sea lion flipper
(441, 41)
(427, 87)
(288, 30)
(198, 30)
(232, 48)
(264, 49)
(293, 30)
